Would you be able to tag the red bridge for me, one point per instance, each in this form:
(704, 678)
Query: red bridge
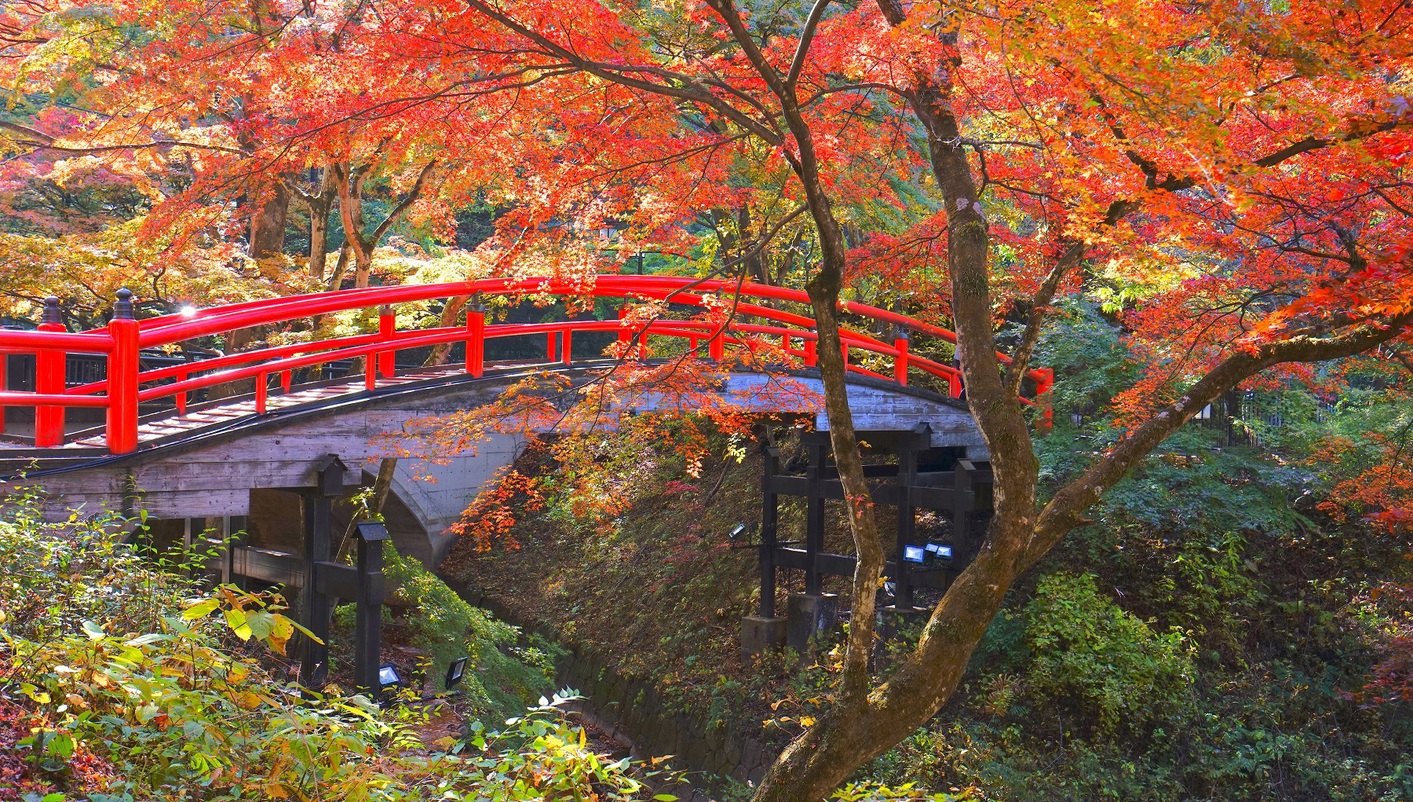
(258, 475)
(732, 316)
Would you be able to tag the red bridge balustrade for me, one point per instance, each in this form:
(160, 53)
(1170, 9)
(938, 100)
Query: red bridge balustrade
(733, 315)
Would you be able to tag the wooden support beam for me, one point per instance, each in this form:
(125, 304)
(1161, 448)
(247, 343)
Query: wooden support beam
(769, 531)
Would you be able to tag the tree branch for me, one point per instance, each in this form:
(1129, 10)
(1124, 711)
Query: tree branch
(797, 64)
(406, 202)
(1063, 511)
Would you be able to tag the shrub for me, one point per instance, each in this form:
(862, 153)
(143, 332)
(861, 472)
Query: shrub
(1103, 661)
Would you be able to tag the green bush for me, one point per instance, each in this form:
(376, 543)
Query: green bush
(110, 659)
(502, 676)
(1109, 666)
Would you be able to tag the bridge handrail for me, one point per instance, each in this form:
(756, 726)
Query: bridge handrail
(294, 357)
(123, 339)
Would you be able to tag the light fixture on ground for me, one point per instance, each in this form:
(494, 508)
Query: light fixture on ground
(388, 676)
(940, 551)
(455, 671)
(930, 553)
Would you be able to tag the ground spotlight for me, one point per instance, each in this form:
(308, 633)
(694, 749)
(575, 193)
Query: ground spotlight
(388, 676)
(455, 671)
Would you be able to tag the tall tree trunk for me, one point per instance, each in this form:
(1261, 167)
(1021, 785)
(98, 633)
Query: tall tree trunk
(267, 222)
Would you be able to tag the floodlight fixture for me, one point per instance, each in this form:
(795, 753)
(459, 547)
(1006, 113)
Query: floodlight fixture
(940, 551)
(187, 310)
(455, 671)
(388, 676)
(736, 532)
(914, 554)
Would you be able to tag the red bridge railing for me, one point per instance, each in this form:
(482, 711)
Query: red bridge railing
(733, 316)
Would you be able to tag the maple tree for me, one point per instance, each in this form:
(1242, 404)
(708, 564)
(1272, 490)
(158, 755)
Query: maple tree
(1239, 167)
(1232, 176)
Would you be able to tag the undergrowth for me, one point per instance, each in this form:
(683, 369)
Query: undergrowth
(123, 680)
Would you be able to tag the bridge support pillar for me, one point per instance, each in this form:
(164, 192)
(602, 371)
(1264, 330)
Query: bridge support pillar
(318, 505)
(809, 615)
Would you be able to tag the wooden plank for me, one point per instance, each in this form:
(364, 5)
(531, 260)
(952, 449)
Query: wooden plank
(207, 503)
(264, 565)
(334, 579)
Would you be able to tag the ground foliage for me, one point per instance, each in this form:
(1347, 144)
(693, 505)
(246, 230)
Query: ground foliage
(122, 680)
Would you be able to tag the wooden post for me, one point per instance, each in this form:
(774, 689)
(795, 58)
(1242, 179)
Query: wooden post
(476, 340)
(907, 525)
(811, 351)
(318, 505)
(769, 531)
(49, 378)
(180, 398)
(900, 362)
(625, 335)
(123, 370)
(387, 326)
(1045, 382)
(965, 501)
(368, 613)
(566, 347)
(814, 518)
(4, 385)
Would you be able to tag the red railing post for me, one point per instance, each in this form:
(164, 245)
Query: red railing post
(811, 352)
(954, 385)
(900, 362)
(476, 340)
(4, 385)
(624, 335)
(387, 326)
(550, 342)
(566, 346)
(181, 397)
(262, 392)
(49, 375)
(123, 370)
(1044, 383)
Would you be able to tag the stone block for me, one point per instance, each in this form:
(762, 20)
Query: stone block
(893, 619)
(809, 616)
(759, 634)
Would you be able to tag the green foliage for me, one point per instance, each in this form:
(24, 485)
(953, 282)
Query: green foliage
(110, 664)
(502, 675)
(1090, 357)
(1105, 663)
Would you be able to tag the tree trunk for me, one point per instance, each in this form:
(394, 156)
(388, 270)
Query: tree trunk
(442, 352)
(319, 207)
(382, 486)
(267, 222)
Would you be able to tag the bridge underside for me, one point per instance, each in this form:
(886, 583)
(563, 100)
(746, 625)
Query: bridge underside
(223, 460)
